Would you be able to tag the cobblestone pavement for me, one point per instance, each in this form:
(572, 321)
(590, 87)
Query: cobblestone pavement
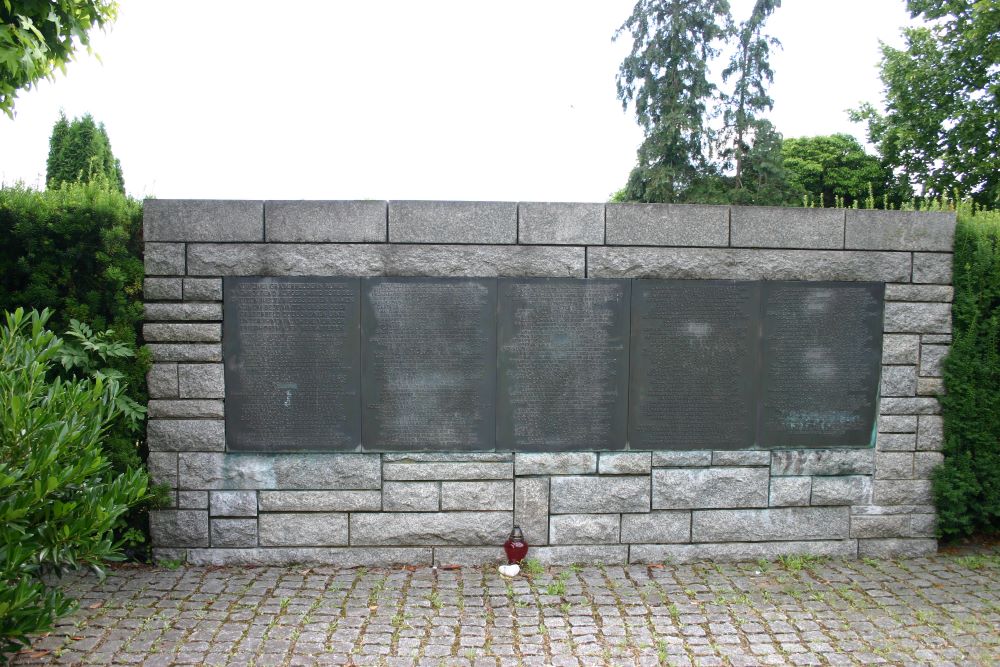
(940, 611)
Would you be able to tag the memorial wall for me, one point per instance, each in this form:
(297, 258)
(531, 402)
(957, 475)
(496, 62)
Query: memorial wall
(372, 383)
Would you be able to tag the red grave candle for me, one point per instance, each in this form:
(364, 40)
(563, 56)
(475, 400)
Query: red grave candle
(515, 547)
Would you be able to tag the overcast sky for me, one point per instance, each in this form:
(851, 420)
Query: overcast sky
(404, 100)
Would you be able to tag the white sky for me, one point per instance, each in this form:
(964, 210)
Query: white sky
(458, 99)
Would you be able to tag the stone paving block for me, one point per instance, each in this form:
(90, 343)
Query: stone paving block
(531, 508)
(187, 332)
(313, 529)
(584, 529)
(343, 557)
(894, 465)
(667, 224)
(430, 529)
(903, 492)
(687, 488)
(682, 459)
(233, 503)
(586, 495)
(739, 551)
(842, 490)
(162, 468)
(588, 554)
(477, 495)
(203, 289)
(161, 381)
(930, 268)
(896, 548)
(900, 230)
(325, 221)
(909, 406)
(924, 463)
(898, 381)
(741, 458)
(186, 435)
(897, 424)
(405, 472)
(201, 380)
(202, 220)
(930, 433)
(790, 491)
(625, 463)
(162, 289)
(164, 259)
(411, 496)
(557, 223)
(452, 222)
(917, 317)
(187, 409)
(183, 311)
(656, 527)
(200, 470)
(320, 501)
(762, 525)
(931, 358)
(823, 462)
(896, 442)
(192, 500)
(179, 528)
(906, 292)
(234, 532)
(900, 348)
(776, 227)
(546, 463)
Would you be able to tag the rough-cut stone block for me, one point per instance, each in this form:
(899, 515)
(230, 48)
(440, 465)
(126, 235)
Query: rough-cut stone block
(880, 510)
(281, 556)
(424, 529)
(183, 311)
(468, 556)
(315, 529)
(179, 528)
(187, 332)
(930, 433)
(909, 406)
(325, 221)
(790, 491)
(930, 386)
(588, 554)
(740, 551)
(667, 224)
(202, 220)
(786, 523)
(896, 548)
(917, 317)
(898, 381)
(931, 268)
(162, 289)
(686, 488)
(897, 424)
(906, 292)
(880, 526)
(743, 458)
(187, 409)
(192, 500)
(186, 435)
(404, 472)
(625, 463)
(903, 492)
(656, 527)
(936, 339)
(452, 222)
(164, 259)
(161, 380)
(201, 380)
(373, 259)
(923, 525)
(560, 223)
(584, 529)
(234, 532)
(163, 468)
(593, 495)
(747, 264)
(320, 501)
(900, 230)
(823, 462)
(477, 496)
(932, 359)
(411, 496)
(772, 227)
(283, 471)
(185, 351)
(233, 503)
(842, 490)
(448, 457)
(203, 289)
(900, 348)
(893, 465)
(896, 442)
(680, 459)
(543, 463)
(531, 508)
(924, 463)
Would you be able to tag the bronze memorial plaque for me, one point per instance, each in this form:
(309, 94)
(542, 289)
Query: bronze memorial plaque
(822, 347)
(292, 364)
(429, 364)
(562, 358)
(694, 373)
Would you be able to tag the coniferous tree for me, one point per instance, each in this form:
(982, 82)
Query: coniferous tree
(79, 150)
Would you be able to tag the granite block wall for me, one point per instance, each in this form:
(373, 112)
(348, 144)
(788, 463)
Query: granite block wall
(384, 509)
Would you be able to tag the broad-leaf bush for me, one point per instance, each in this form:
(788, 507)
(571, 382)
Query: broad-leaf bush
(61, 503)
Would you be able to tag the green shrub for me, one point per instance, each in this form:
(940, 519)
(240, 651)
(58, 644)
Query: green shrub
(967, 485)
(60, 501)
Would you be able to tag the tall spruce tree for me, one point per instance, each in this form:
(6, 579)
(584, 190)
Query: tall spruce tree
(79, 150)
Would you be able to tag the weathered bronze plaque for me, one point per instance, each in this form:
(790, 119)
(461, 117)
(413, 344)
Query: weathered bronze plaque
(821, 363)
(292, 364)
(694, 364)
(562, 364)
(429, 364)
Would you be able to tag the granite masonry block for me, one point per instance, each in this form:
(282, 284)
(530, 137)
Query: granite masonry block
(747, 264)
(161, 381)
(896, 442)
(589, 554)
(681, 459)
(900, 349)
(773, 227)
(203, 289)
(584, 529)
(202, 220)
(897, 424)
(687, 488)
(544, 463)
(909, 406)
(741, 458)
(417, 472)
(936, 339)
(898, 381)
(763, 525)
(484, 496)
(186, 435)
(555, 223)
(179, 528)
(923, 525)
(880, 510)
(932, 268)
(183, 311)
(164, 259)
(446, 457)
(900, 230)
(790, 491)
(893, 465)
(162, 468)
(314, 529)
(325, 221)
(200, 470)
(234, 533)
(373, 259)
(320, 501)
(930, 433)
(903, 492)
(917, 317)
(531, 508)
(452, 222)
(162, 289)
(624, 463)
(283, 556)
(842, 490)
(185, 351)
(897, 525)
(896, 548)
(192, 500)
(659, 527)
(667, 224)
(593, 495)
(932, 359)
(739, 551)
(201, 380)
(187, 409)
(823, 462)
(186, 332)
(924, 463)
(233, 503)
(411, 496)
(430, 529)
(904, 292)
(930, 386)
